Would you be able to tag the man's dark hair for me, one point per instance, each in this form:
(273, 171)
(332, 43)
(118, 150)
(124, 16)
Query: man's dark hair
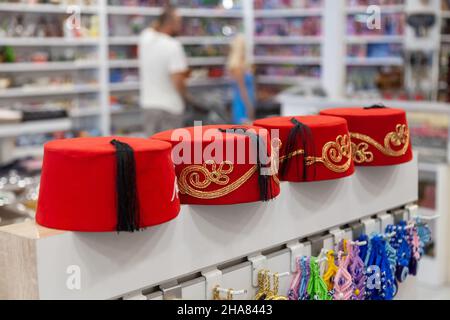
(166, 16)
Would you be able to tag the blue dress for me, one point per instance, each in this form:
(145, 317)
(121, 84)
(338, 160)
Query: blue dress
(239, 112)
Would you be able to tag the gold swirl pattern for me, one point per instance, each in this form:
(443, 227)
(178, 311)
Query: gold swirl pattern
(397, 138)
(333, 152)
(195, 177)
(360, 153)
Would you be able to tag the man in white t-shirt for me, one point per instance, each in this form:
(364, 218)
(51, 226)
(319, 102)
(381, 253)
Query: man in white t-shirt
(163, 71)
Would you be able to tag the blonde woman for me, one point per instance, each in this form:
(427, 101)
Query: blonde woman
(243, 106)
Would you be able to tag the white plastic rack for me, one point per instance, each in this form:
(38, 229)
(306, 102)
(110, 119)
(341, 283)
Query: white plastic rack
(204, 246)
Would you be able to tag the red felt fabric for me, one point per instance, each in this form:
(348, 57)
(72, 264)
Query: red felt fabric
(376, 123)
(199, 138)
(78, 184)
(324, 129)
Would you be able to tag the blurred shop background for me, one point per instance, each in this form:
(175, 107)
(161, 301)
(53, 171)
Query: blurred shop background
(59, 82)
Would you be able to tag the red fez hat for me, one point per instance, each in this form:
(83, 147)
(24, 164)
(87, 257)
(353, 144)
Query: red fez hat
(222, 164)
(107, 184)
(380, 135)
(312, 148)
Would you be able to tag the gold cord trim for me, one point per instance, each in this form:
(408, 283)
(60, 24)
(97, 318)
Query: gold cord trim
(194, 179)
(397, 138)
(333, 152)
(195, 173)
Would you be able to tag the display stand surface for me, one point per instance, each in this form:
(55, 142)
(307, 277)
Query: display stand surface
(37, 262)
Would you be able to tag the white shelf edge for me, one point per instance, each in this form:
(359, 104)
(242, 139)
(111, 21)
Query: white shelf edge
(48, 66)
(123, 86)
(84, 112)
(288, 12)
(445, 14)
(50, 41)
(284, 80)
(192, 61)
(31, 127)
(209, 82)
(287, 60)
(272, 40)
(186, 40)
(205, 61)
(44, 8)
(392, 61)
(356, 39)
(133, 10)
(34, 151)
(48, 91)
(393, 8)
(124, 63)
(134, 86)
(185, 12)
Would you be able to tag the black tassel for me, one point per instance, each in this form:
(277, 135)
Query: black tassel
(264, 181)
(126, 188)
(302, 132)
(376, 106)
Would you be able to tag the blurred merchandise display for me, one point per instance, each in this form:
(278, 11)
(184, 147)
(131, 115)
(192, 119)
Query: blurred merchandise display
(206, 50)
(445, 5)
(289, 71)
(266, 92)
(300, 50)
(124, 103)
(123, 75)
(211, 27)
(53, 2)
(41, 26)
(429, 133)
(375, 50)
(444, 73)
(179, 3)
(302, 26)
(137, 3)
(123, 52)
(47, 81)
(376, 82)
(356, 3)
(40, 139)
(24, 54)
(287, 4)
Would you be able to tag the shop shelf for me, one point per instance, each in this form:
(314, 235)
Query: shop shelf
(44, 8)
(391, 61)
(48, 91)
(185, 12)
(186, 40)
(133, 86)
(48, 66)
(124, 63)
(288, 12)
(208, 82)
(205, 61)
(50, 41)
(358, 39)
(193, 61)
(124, 86)
(285, 80)
(33, 151)
(32, 127)
(384, 9)
(274, 40)
(84, 112)
(287, 60)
